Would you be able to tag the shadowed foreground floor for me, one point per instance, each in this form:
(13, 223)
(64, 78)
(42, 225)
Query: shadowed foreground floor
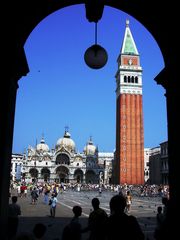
(39, 213)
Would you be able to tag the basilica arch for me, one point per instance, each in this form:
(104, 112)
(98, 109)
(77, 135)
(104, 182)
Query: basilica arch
(78, 175)
(34, 174)
(62, 158)
(91, 177)
(45, 173)
(62, 174)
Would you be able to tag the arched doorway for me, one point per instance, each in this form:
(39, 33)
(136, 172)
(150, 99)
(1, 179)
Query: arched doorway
(34, 174)
(62, 174)
(45, 174)
(78, 176)
(91, 177)
(62, 158)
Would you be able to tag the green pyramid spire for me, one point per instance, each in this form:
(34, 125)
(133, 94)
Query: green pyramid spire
(129, 46)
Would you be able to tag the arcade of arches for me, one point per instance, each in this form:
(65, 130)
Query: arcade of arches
(21, 17)
(63, 164)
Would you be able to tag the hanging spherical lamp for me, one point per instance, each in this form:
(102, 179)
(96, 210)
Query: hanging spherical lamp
(95, 56)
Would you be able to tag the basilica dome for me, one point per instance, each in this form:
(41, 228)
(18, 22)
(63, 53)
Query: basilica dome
(90, 149)
(42, 146)
(66, 142)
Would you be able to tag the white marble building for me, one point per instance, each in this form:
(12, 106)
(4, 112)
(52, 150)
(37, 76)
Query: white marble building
(63, 163)
(147, 153)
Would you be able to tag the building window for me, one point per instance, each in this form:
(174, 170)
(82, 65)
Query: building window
(15, 167)
(136, 79)
(124, 169)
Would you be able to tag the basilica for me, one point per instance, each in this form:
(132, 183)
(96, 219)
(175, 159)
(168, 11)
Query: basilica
(63, 163)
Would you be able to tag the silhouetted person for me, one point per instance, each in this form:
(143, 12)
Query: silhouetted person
(73, 229)
(159, 221)
(14, 211)
(165, 201)
(96, 221)
(159, 216)
(165, 231)
(119, 224)
(39, 230)
(24, 236)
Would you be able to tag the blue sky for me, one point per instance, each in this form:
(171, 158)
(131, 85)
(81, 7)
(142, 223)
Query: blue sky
(61, 90)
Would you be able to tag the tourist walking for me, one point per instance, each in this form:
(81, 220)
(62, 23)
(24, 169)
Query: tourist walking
(46, 195)
(128, 201)
(34, 196)
(53, 203)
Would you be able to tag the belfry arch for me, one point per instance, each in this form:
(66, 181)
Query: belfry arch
(23, 19)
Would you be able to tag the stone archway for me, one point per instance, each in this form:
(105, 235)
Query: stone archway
(62, 158)
(34, 174)
(45, 174)
(91, 177)
(62, 174)
(78, 175)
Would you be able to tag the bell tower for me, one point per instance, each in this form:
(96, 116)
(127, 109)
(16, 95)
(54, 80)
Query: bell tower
(129, 156)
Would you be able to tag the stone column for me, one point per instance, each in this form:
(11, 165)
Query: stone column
(84, 177)
(168, 78)
(15, 66)
(7, 109)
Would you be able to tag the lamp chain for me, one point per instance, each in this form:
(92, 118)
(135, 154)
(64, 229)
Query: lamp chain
(96, 33)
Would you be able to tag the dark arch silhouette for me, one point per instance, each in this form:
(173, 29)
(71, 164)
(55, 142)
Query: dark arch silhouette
(45, 173)
(33, 172)
(78, 175)
(62, 158)
(91, 177)
(62, 173)
(22, 17)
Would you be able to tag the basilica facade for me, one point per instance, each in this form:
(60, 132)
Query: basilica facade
(63, 163)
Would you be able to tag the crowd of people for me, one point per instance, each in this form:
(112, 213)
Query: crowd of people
(100, 224)
(145, 190)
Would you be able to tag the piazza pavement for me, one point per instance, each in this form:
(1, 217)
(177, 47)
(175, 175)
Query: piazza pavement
(143, 208)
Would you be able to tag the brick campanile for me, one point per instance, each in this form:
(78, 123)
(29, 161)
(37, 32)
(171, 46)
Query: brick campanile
(129, 155)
